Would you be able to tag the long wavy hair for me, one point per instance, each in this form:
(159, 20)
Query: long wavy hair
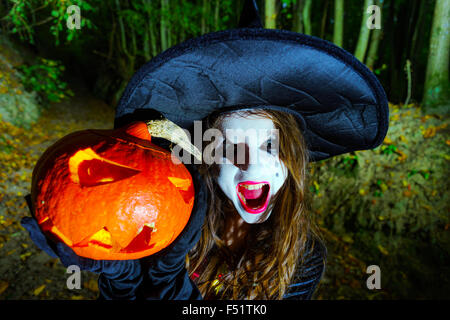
(266, 268)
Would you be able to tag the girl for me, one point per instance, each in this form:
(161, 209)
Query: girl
(254, 248)
(250, 234)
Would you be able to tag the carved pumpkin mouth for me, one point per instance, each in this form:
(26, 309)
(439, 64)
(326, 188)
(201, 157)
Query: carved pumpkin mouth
(104, 192)
(102, 239)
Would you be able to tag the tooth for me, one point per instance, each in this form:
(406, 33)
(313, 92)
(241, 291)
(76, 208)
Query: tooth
(242, 197)
(253, 186)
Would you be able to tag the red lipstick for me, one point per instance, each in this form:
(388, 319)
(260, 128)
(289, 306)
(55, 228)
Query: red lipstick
(253, 195)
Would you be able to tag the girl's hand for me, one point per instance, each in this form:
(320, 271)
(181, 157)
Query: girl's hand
(165, 274)
(119, 279)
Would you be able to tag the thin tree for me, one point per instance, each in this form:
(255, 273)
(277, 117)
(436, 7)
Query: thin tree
(298, 16)
(364, 34)
(307, 17)
(338, 33)
(437, 86)
(164, 24)
(205, 16)
(216, 15)
(270, 14)
(323, 23)
(375, 38)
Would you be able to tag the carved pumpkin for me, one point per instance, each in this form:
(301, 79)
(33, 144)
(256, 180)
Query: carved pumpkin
(111, 194)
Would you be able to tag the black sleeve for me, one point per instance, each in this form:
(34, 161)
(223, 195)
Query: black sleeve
(164, 273)
(120, 281)
(308, 274)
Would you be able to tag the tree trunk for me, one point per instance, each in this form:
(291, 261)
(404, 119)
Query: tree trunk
(338, 33)
(123, 41)
(377, 35)
(372, 55)
(216, 15)
(205, 16)
(323, 24)
(437, 87)
(418, 27)
(298, 16)
(163, 26)
(307, 17)
(149, 34)
(169, 26)
(364, 34)
(147, 54)
(413, 20)
(270, 14)
(151, 27)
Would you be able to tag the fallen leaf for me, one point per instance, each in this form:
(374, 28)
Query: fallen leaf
(3, 286)
(25, 256)
(383, 250)
(347, 238)
(429, 132)
(38, 290)
(91, 285)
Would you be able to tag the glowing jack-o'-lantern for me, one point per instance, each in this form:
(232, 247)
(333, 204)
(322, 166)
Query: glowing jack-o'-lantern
(111, 194)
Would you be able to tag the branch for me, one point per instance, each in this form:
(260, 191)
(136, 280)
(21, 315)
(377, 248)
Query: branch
(33, 25)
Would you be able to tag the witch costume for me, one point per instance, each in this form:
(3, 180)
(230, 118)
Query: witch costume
(339, 105)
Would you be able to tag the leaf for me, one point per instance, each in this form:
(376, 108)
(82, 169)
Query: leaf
(38, 290)
(25, 256)
(3, 286)
(347, 239)
(91, 285)
(383, 250)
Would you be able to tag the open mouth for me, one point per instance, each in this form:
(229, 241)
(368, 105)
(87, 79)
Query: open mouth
(254, 196)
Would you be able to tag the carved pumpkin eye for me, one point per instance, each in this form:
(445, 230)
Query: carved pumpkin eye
(184, 186)
(88, 169)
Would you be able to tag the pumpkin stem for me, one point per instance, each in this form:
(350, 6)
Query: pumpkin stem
(168, 130)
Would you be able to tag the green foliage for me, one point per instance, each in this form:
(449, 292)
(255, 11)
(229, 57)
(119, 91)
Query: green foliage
(396, 205)
(18, 17)
(25, 15)
(407, 173)
(60, 15)
(140, 29)
(45, 79)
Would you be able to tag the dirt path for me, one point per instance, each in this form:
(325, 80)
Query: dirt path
(25, 271)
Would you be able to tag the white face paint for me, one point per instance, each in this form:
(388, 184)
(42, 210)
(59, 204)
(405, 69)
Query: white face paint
(252, 178)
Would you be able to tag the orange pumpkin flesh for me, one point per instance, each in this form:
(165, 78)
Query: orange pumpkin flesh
(111, 194)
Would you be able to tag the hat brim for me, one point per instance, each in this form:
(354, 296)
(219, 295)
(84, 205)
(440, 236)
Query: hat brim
(339, 102)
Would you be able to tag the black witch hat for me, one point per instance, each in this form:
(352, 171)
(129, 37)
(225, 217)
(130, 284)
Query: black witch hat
(339, 103)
